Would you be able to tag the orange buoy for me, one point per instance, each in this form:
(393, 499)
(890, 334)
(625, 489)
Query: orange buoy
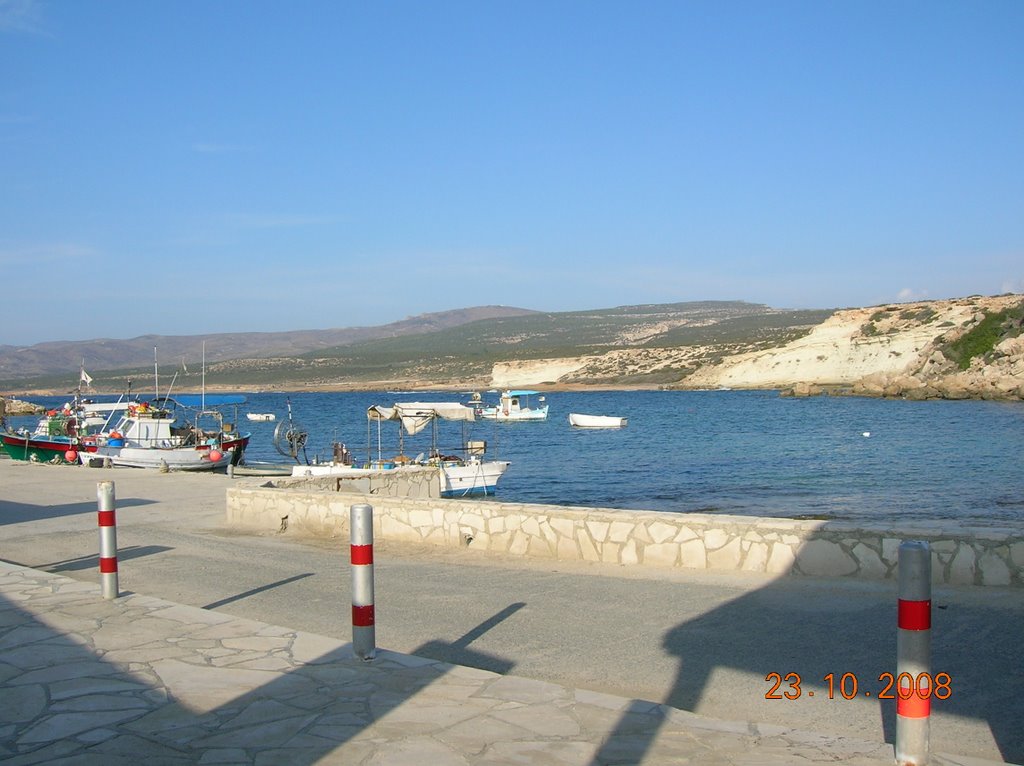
(216, 455)
(71, 456)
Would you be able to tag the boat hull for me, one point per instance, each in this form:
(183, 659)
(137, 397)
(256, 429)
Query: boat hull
(36, 449)
(456, 479)
(596, 421)
(472, 478)
(170, 458)
(495, 413)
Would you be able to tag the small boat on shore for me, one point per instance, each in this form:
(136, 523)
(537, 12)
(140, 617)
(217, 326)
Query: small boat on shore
(151, 435)
(578, 420)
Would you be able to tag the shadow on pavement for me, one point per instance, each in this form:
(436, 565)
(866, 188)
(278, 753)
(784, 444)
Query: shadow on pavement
(254, 591)
(458, 653)
(81, 563)
(782, 628)
(16, 513)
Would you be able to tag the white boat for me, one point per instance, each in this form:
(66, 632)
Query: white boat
(471, 476)
(459, 475)
(151, 436)
(578, 420)
(514, 405)
(264, 417)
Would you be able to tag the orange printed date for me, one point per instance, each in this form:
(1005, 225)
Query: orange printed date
(847, 686)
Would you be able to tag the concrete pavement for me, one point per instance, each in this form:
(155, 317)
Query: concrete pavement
(48, 644)
(87, 680)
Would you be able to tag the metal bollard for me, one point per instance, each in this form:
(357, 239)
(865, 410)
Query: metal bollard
(913, 654)
(364, 634)
(108, 539)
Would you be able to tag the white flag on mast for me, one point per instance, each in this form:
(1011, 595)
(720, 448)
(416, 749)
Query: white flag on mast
(85, 378)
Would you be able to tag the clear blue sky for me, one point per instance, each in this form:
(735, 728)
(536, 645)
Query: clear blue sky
(189, 167)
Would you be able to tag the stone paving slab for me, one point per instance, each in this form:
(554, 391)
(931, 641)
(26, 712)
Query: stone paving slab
(91, 681)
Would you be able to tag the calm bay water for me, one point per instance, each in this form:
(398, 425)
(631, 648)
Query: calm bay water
(739, 452)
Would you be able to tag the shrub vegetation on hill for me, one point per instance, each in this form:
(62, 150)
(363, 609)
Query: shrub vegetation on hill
(983, 337)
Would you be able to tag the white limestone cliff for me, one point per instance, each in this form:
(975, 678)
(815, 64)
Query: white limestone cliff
(894, 350)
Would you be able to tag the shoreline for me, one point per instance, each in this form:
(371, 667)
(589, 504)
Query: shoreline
(797, 390)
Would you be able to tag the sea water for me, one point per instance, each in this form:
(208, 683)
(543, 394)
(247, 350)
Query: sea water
(733, 452)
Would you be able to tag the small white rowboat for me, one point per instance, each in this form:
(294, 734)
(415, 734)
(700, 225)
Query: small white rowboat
(262, 416)
(596, 421)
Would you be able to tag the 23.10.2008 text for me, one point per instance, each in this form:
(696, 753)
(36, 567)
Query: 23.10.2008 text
(848, 686)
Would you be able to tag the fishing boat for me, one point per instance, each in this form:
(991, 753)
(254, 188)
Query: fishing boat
(261, 417)
(578, 420)
(57, 437)
(513, 405)
(156, 435)
(459, 475)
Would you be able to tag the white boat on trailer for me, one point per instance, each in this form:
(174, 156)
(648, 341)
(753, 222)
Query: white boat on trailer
(578, 420)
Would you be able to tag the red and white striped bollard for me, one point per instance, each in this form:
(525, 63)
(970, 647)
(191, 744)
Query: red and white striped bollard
(913, 654)
(108, 539)
(364, 633)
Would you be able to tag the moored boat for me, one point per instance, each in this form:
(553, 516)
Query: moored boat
(151, 435)
(263, 417)
(513, 405)
(458, 475)
(579, 420)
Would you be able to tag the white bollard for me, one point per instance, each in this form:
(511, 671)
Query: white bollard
(108, 539)
(913, 654)
(364, 636)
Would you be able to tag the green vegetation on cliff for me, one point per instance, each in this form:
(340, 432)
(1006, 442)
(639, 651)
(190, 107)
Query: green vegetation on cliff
(985, 336)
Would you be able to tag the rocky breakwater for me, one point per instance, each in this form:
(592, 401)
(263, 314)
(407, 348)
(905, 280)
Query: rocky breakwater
(18, 407)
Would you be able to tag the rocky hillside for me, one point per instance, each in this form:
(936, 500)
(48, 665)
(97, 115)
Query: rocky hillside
(965, 348)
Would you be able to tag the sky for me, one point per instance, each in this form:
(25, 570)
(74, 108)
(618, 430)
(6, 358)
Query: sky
(195, 167)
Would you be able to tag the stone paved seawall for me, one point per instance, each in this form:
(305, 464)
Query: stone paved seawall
(960, 555)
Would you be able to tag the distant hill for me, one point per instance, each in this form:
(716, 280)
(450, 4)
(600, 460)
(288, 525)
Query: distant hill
(63, 358)
(957, 348)
(452, 348)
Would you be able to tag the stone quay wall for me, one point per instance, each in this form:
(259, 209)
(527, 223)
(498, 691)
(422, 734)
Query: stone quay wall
(773, 546)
